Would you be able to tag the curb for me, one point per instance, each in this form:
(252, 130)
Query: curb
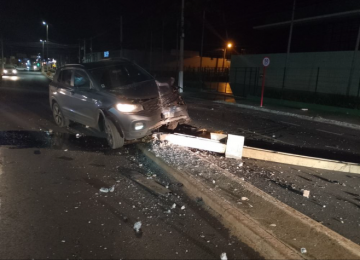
(316, 119)
(269, 244)
(300, 160)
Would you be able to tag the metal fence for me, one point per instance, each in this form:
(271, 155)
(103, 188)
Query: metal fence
(320, 85)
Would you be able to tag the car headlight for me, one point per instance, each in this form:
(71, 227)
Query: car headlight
(34, 67)
(14, 71)
(5, 71)
(129, 108)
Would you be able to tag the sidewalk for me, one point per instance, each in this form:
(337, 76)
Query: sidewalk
(325, 114)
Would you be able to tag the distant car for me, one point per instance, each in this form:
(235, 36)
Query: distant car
(117, 98)
(9, 70)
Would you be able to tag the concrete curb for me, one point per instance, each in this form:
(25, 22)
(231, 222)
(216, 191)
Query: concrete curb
(300, 160)
(269, 244)
(316, 119)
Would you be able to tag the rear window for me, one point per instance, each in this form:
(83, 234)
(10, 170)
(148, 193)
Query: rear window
(119, 76)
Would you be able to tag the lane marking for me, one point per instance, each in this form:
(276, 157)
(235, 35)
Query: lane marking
(328, 132)
(289, 123)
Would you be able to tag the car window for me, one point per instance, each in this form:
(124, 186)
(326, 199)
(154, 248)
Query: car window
(81, 80)
(65, 77)
(113, 77)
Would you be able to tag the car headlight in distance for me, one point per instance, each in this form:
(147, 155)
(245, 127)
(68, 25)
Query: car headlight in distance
(129, 108)
(14, 71)
(35, 67)
(5, 71)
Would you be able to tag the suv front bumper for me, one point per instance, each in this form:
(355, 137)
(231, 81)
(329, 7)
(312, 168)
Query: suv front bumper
(150, 121)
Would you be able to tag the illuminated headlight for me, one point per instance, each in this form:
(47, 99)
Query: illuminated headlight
(5, 71)
(129, 108)
(139, 126)
(14, 71)
(34, 67)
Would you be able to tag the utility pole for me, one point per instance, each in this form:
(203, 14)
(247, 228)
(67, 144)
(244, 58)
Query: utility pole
(47, 42)
(2, 54)
(182, 36)
(84, 50)
(79, 51)
(162, 44)
(289, 42)
(353, 63)
(151, 47)
(91, 49)
(202, 41)
(121, 37)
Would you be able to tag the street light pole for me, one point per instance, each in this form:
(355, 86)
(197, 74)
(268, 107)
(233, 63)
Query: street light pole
(2, 54)
(228, 45)
(47, 43)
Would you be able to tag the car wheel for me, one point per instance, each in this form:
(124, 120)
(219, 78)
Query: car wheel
(172, 125)
(113, 136)
(58, 115)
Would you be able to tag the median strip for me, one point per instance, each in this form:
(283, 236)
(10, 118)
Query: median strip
(272, 228)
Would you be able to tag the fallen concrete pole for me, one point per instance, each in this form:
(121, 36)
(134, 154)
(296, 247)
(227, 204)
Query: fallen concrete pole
(193, 142)
(294, 159)
(235, 149)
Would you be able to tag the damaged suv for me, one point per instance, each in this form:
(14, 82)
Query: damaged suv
(115, 97)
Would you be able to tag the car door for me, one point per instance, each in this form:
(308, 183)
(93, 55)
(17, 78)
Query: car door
(65, 92)
(86, 99)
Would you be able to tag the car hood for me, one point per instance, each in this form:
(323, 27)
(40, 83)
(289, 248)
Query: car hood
(145, 90)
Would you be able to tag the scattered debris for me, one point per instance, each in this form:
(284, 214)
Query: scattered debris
(112, 188)
(241, 164)
(244, 198)
(303, 250)
(183, 207)
(50, 131)
(137, 226)
(78, 135)
(105, 190)
(65, 150)
(272, 225)
(306, 193)
(304, 109)
(223, 256)
(173, 206)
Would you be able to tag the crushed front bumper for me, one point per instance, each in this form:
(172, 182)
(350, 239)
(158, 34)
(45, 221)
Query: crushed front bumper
(151, 120)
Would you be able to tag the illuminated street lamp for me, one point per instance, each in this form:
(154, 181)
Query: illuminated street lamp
(228, 46)
(47, 39)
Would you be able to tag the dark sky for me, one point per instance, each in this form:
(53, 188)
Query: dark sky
(21, 21)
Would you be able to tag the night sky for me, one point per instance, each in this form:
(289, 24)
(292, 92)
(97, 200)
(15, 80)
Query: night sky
(21, 22)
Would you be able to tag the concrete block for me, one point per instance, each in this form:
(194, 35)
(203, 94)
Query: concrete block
(235, 146)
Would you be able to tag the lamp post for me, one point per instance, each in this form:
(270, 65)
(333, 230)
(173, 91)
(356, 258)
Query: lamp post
(229, 45)
(43, 42)
(47, 41)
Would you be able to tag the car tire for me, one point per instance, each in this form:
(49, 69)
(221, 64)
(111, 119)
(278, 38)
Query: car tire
(113, 136)
(59, 118)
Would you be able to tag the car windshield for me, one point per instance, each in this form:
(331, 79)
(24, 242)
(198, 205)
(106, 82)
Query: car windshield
(9, 67)
(119, 76)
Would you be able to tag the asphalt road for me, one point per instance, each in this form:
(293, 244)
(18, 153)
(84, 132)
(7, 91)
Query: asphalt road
(51, 206)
